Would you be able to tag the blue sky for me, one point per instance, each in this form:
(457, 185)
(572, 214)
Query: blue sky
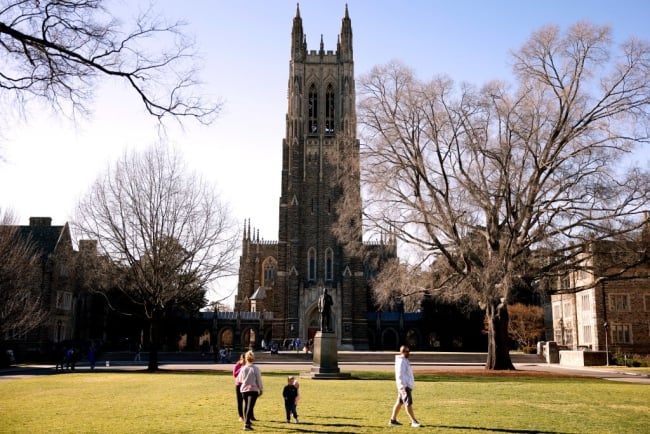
(49, 161)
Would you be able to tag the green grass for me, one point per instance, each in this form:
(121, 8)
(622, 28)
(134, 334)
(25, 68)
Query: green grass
(176, 402)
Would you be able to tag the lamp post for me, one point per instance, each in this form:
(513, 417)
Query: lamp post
(606, 344)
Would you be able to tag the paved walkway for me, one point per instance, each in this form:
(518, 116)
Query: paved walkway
(348, 362)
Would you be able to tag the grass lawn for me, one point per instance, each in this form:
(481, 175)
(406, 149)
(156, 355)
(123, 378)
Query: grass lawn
(204, 402)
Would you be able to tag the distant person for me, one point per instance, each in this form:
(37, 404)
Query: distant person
(69, 358)
(290, 395)
(92, 356)
(235, 373)
(405, 384)
(138, 352)
(251, 388)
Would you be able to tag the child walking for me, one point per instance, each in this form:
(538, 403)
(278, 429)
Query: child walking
(290, 395)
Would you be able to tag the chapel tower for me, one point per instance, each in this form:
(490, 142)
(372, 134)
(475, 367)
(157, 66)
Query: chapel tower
(320, 133)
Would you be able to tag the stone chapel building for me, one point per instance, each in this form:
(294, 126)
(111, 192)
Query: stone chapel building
(285, 277)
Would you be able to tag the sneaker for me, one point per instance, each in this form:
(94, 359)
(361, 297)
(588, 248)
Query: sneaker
(415, 425)
(393, 422)
(241, 419)
(248, 428)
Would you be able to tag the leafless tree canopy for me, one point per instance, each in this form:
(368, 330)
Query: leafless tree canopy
(481, 177)
(56, 50)
(164, 229)
(20, 308)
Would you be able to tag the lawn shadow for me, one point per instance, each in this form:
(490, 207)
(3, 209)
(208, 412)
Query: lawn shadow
(505, 430)
(310, 427)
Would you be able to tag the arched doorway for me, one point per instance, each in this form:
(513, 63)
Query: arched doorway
(249, 338)
(225, 338)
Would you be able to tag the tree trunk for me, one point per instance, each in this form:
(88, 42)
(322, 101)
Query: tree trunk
(154, 339)
(498, 357)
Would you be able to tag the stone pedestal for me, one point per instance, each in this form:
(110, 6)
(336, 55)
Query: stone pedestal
(325, 364)
(551, 352)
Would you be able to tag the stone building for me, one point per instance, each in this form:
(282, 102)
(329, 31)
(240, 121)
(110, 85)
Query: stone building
(285, 277)
(603, 307)
(53, 282)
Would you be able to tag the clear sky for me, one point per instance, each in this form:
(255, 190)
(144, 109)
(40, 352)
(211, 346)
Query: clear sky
(50, 161)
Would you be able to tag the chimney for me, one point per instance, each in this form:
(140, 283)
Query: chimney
(645, 232)
(40, 221)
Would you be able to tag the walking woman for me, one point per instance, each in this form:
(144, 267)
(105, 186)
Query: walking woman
(251, 387)
(240, 398)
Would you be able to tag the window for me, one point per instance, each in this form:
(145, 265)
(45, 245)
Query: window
(312, 115)
(329, 110)
(568, 335)
(585, 302)
(269, 272)
(586, 334)
(566, 283)
(619, 302)
(311, 260)
(568, 310)
(622, 333)
(329, 264)
(63, 300)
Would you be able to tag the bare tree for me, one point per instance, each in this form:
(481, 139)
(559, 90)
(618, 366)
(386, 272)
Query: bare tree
(401, 283)
(484, 179)
(20, 308)
(164, 229)
(56, 50)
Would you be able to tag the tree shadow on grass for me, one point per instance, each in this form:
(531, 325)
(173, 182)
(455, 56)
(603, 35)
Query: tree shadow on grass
(504, 430)
(309, 427)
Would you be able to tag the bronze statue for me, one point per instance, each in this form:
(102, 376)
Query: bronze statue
(325, 308)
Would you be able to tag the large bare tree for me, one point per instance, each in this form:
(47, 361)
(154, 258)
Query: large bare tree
(479, 179)
(21, 309)
(56, 50)
(165, 231)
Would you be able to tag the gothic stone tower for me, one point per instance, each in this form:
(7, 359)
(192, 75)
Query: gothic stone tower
(320, 130)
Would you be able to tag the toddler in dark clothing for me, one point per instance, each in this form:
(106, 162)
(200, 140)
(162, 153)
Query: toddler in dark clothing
(290, 395)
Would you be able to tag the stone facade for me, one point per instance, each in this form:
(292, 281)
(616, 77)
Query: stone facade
(594, 311)
(53, 281)
(307, 257)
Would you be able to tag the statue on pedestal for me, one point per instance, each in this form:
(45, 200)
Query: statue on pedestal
(325, 308)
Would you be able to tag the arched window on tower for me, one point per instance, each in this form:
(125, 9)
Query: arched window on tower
(311, 260)
(329, 265)
(312, 115)
(269, 267)
(329, 110)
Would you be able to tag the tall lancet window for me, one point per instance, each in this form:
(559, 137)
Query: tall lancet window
(329, 110)
(311, 261)
(312, 116)
(329, 265)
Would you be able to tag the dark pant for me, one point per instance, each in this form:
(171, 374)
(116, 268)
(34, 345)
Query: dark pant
(240, 401)
(290, 409)
(249, 400)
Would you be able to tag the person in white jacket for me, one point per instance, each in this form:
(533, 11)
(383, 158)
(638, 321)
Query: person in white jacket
(405, 384)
